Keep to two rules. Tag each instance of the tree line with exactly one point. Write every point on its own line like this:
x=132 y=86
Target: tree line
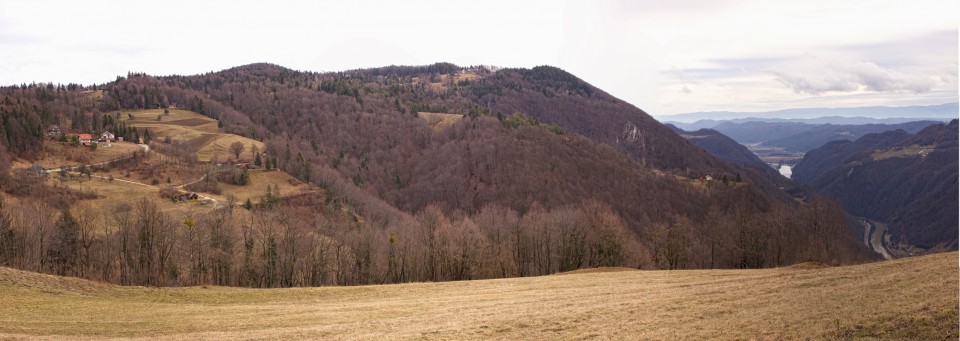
x=291 y=242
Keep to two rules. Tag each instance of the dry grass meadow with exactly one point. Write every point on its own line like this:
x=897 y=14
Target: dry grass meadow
x=59 y=154
x=439 y=121
x=915 y=298
x=203 y=134
x=285 y=183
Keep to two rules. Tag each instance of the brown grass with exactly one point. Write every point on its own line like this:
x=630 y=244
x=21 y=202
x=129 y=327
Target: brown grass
x=58 y=153
x=915 y=298
x=220 y=148
x=113 y=193
x=208 y=140
x=438 y=121
x=258 y=187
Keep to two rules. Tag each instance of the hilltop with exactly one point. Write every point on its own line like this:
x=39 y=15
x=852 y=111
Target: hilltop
x=914 y=298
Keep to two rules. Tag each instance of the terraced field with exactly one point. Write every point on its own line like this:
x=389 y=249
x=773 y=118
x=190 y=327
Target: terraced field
x=201 y=132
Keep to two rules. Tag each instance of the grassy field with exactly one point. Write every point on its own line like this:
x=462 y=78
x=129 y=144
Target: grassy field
x=915 y=298
x=202 y=132
x=438 y=121
x=61 y=154
x=288 y=186
x=123 y=190
x=909 y=151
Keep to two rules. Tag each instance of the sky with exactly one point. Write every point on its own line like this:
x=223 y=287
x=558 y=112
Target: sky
x=665 y=57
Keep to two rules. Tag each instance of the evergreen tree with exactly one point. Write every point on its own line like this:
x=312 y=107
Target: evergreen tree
x=65 y=249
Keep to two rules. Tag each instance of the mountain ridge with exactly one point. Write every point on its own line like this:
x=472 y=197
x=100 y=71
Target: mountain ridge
x=908 y=181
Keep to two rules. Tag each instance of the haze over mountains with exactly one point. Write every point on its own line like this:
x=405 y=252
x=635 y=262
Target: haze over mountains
x=855 y=115
x=802 y=137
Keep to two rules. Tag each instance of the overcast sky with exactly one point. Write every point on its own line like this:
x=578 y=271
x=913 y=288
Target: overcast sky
x=663 y=56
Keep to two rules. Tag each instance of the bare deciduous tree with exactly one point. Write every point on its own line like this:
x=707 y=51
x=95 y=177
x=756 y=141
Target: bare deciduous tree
x=236 y=148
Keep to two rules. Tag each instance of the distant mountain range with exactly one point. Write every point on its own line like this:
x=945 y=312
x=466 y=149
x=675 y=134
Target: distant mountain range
x=858 y=115
x=802 y=137
x=908 y=181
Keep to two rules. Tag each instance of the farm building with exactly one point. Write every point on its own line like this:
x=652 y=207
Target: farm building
x=37 y=170
x=107 y=137
x=85 y=139
x=53 y=132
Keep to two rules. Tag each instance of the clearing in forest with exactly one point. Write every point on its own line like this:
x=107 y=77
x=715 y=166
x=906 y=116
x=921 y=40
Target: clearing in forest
x=201 y=132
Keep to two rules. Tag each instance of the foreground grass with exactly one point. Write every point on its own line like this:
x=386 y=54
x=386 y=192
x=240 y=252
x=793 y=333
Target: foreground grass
x=914 y=298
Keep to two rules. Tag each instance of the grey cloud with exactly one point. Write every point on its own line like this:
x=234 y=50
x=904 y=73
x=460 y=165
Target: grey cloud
x=849 y=77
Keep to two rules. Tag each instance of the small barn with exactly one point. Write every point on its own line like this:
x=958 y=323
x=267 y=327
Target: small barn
x=181 y=197
x=53 y=132
x=107 y=136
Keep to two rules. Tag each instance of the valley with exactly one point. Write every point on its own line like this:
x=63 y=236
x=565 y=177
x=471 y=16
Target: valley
x=436 y=170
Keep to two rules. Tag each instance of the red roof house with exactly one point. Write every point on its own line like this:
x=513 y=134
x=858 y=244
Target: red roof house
x=85 y=139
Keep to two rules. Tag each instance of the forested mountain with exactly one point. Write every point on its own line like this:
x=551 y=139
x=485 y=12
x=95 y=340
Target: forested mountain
x=802 y=137
x=908 y=181
x=837 y=153
x=725 y=148
x=719 y=145
x=531 y=172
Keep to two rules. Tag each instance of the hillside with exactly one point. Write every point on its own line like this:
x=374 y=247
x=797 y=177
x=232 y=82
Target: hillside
x=425 y=173
x=836 y=153
x=719 y=145
x=908 y=181
x=914 y=298
x=747 y=163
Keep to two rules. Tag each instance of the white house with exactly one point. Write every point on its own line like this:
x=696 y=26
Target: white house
x=107 y=137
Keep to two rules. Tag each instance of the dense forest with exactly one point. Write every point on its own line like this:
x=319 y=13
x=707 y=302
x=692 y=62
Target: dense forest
x=542 y=173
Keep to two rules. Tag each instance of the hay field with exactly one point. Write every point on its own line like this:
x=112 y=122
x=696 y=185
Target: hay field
x=288 y=186
x=124 y=190
x=914 y=298
x=202 y=132
x=60 y=154
x=219 y=148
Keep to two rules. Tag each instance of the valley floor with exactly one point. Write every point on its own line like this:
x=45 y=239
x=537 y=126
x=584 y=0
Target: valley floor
x=899 y=299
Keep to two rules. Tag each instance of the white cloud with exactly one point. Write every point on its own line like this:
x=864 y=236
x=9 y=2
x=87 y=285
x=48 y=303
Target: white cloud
x=821 y=77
